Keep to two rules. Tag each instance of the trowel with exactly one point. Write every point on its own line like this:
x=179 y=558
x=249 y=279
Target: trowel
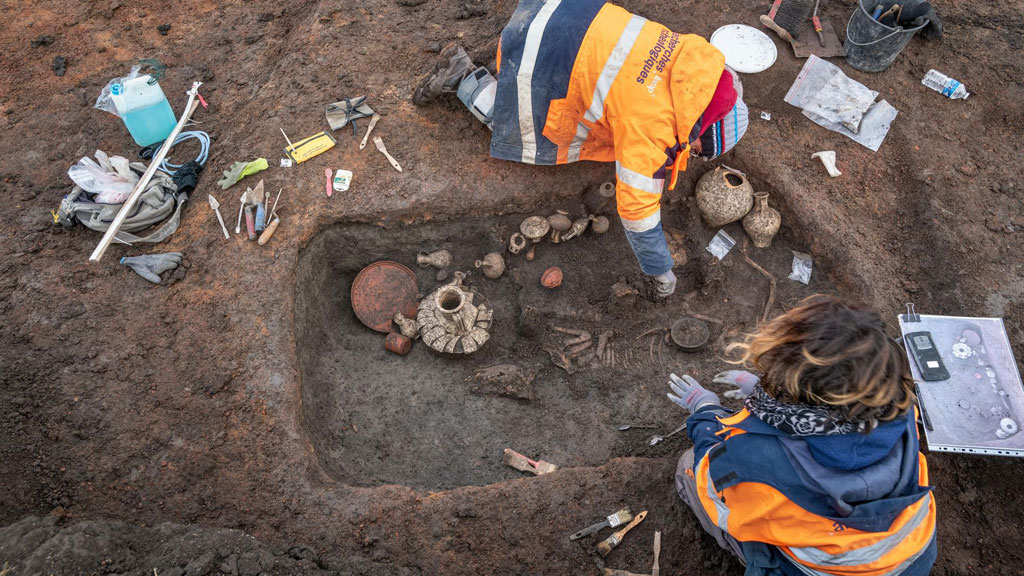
x=216 y=209
x=241 y=209
x=823 y=44
x=522 y=463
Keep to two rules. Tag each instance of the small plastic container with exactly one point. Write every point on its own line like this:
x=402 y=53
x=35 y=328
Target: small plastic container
x=144 y=109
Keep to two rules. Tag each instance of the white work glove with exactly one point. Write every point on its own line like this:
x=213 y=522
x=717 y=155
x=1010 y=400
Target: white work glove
x=744 y=382
x=689 y=395
x=666 y=284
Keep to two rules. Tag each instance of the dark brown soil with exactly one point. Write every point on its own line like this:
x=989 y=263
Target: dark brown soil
x=375 y=418
x=148 y=427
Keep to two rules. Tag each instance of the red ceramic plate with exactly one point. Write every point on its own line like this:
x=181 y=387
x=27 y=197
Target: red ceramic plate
x=380 y=290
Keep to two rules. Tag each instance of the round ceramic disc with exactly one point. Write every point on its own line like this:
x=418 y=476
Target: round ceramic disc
x=380 y=290
x=690 y=333
x=747 y=50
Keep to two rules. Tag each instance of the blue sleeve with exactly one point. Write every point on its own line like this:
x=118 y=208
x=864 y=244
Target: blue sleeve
x=651 y=250
x=702 y=426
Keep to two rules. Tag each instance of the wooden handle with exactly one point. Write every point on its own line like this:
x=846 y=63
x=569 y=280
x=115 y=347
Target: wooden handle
x=639 y=518
x=265 y=237
x=655 y=569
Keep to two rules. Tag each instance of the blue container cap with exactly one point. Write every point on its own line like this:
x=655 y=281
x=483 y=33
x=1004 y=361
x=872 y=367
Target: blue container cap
x=116 y=89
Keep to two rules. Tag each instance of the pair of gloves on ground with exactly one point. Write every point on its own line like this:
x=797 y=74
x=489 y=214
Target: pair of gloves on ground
x=689 y=395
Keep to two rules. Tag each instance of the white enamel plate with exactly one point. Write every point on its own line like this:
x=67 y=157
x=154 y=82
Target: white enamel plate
x=747 y=50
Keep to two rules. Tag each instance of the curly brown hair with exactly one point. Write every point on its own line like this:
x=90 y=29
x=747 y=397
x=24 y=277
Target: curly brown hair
x=829 y=352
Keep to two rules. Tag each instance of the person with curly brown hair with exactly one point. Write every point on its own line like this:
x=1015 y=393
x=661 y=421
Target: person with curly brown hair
x=820 y=472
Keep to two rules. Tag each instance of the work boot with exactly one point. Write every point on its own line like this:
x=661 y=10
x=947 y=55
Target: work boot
x=453 y=65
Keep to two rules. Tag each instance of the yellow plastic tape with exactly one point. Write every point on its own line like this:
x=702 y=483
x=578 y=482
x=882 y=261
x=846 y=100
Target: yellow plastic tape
x=305 y=149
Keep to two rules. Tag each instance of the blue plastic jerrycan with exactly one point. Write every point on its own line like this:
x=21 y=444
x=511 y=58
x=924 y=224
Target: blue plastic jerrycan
x=146 y=113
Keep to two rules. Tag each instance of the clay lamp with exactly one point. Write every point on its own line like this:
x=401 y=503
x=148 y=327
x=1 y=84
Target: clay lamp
x=534 y=228
x=559 y=222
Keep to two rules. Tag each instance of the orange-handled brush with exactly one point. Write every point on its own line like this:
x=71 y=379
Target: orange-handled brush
x=609 y=543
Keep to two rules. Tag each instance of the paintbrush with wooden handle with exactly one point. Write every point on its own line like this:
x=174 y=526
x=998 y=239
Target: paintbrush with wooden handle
x=609 y=543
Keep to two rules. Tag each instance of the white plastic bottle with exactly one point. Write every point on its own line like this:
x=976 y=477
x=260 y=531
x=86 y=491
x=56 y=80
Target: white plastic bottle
x=945 y=85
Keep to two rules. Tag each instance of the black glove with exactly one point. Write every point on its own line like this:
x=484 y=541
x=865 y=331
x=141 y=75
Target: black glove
x=918 y=12
x=187 y=177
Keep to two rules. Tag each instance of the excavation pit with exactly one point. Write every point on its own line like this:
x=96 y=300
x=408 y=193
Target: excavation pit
x=420 y=420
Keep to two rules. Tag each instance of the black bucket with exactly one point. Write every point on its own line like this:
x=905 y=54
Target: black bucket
x=870 y=45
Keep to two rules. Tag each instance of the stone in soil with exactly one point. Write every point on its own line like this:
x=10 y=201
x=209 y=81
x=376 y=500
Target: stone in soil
x=59 y=65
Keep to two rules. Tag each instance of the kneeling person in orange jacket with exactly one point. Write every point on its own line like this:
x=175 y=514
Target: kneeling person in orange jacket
x=586 y=80
x=820 y=472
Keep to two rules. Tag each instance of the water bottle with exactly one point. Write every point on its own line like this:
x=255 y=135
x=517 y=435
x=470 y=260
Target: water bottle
x=945 y=85
x=144 y=109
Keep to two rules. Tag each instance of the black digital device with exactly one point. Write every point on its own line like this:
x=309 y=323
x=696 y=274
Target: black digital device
x=923 y=349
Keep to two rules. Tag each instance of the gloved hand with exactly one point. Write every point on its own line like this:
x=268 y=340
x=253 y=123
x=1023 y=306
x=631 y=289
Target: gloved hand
x=666 y=284
x=240 y=170
x=741 y=379
x=688 y=394
x=150 y=266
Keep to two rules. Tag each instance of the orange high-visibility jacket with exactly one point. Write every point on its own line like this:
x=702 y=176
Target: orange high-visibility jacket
x=844 y=505
x=586 y=80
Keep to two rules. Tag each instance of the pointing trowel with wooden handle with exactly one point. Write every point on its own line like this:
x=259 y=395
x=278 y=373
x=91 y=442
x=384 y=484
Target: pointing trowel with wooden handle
x=516 y=460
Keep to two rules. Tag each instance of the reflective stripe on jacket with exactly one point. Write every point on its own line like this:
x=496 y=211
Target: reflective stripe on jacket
x=585 y=80
x=749 y=486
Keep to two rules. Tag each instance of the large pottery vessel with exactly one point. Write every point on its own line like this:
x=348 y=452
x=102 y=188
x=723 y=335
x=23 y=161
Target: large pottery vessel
x=723 y=196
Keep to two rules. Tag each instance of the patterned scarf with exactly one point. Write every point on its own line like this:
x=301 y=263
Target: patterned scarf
x=799 y=419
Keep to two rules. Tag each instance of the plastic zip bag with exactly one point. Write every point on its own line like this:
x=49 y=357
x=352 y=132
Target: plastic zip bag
x=111 y=178
x=720 y=245
x=802 y=265
x=822 y=90
x=105 y=101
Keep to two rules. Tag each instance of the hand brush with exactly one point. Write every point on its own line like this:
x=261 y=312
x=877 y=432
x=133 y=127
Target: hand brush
x=786 y=16
x=609 y=543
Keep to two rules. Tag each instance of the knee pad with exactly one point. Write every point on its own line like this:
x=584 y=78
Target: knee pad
x=477 y=92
